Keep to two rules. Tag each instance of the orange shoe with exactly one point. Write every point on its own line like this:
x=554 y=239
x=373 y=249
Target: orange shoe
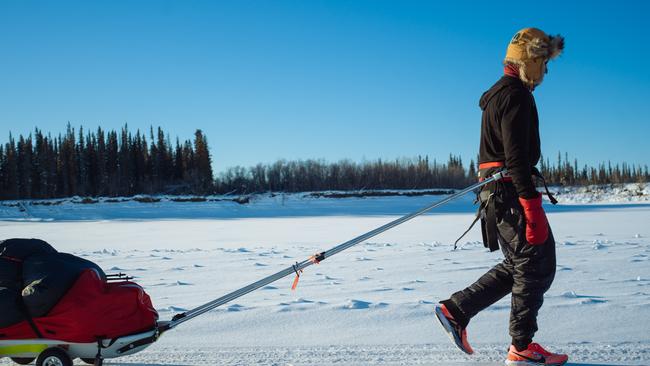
x=457 y=334
x=534 y=355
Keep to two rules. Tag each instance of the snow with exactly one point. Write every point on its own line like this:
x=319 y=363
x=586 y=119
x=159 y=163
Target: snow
x=370 y=305
x=621 y=193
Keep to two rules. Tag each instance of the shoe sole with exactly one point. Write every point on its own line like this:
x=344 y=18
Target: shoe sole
x=531 y=363
x=449 y=329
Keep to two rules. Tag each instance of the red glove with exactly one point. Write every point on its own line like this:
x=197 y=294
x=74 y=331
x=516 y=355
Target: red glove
x=536 y=223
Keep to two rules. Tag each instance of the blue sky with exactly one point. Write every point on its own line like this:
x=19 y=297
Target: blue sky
x=322 y=79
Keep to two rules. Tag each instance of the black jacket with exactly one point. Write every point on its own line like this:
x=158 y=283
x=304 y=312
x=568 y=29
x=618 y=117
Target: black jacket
x=510 y=131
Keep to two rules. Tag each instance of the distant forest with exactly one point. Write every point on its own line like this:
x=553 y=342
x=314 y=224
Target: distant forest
x=103 y=163
x=123 y=163
x=416 y=173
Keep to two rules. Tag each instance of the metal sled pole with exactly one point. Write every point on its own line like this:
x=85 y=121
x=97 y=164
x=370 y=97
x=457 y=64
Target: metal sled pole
x=296 y=268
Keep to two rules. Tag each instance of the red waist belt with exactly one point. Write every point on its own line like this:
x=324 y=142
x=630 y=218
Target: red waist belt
x=485 y=167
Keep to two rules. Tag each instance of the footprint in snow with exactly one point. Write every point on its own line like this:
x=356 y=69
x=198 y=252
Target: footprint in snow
x=407 y=289
x=198 y=266
x=592 y=301
x=586 y=299
x=269 y=287
x=173 y=309
x=363 y=259
x=360 y=305
x=356 y=305
x=106 y=251
x=181 y=283
x=235 y=307
x=116 y=269
x=598 y=245
x=238 y=250
x=382 y=289
x=301 y=300
x=257 y=264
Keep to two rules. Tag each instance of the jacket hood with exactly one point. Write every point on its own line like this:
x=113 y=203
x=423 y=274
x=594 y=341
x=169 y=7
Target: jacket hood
x=504 y=82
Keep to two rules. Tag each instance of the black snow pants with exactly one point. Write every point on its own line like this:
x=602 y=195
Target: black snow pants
x=526 y=272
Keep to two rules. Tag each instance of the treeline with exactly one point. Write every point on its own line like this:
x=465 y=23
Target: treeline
x=318 y=175
x=418 y=173
x=566 y=172
x=103 y=163
x=112 y=163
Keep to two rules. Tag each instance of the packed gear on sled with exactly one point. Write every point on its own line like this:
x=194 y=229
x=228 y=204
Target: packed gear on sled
x=47 y=294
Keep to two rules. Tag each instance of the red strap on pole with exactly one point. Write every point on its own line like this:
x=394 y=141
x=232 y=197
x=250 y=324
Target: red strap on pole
x=295 y=281
x=313 y=259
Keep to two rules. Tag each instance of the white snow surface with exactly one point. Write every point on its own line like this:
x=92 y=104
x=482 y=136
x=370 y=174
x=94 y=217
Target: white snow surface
x=619 y=193
x=370 y=305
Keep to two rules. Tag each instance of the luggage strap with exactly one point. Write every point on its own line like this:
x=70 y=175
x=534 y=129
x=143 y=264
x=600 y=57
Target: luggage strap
x=21 y=304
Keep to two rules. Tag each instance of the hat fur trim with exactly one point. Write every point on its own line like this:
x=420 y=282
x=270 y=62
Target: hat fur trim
x=556 y=46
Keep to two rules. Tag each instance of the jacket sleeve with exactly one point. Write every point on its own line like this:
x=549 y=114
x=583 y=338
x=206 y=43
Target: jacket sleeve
x=515 y=130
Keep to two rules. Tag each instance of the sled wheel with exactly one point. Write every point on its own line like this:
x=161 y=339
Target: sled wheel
x=53 y=357
x=90 y=361
x=22 y=360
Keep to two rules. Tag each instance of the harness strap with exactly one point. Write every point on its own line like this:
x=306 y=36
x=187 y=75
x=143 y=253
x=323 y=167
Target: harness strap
x=486 y=213
x=478 y=217
x=489 y=222
x=539 y=175
x=485 y=169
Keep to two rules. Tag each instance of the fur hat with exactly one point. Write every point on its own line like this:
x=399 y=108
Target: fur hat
x=530 y=49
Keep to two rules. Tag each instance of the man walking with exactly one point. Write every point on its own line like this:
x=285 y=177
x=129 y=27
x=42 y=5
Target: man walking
x=512 y=213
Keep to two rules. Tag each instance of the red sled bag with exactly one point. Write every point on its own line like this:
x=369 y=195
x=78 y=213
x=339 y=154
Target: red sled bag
x=92 y=309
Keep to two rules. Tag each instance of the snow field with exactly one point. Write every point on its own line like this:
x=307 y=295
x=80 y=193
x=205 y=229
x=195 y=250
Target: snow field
x=370 y=305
